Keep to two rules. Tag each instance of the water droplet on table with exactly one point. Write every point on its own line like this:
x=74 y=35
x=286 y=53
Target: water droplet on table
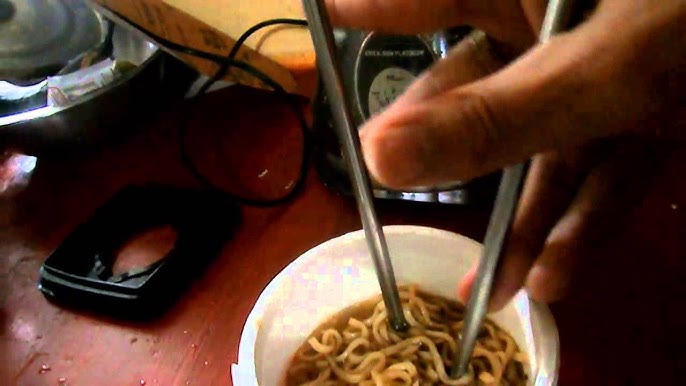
x=185 y=332
x=207 y=363
x=62 y=381
x=44 y=368
x=142 y=382
x=675 y=206
x=194 y=346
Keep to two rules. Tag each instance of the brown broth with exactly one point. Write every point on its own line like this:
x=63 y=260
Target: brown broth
x=360 y=311
x=338 y=321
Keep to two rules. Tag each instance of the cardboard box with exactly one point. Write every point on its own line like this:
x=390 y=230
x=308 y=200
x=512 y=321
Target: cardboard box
x=214 y=25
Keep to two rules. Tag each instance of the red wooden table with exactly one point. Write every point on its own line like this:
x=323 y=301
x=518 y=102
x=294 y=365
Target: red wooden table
x=622 y=324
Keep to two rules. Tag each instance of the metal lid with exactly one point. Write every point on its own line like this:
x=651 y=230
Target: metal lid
x=38 y=37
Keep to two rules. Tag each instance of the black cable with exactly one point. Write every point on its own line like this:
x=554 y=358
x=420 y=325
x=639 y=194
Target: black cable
x=239 y=43
x=204 y=180
x=225 y=64
x=170 y=44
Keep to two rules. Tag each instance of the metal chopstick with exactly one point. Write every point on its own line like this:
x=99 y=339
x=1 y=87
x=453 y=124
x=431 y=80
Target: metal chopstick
x=325 y=49
x=558 y=17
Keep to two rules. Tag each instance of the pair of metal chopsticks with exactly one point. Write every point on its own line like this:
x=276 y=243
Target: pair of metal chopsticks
x=557 y=18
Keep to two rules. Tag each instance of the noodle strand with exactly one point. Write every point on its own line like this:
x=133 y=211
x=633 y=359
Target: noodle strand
x=365 y=351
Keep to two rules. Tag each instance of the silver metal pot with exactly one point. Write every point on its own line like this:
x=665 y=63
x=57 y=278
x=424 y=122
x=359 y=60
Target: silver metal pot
x=114 y=108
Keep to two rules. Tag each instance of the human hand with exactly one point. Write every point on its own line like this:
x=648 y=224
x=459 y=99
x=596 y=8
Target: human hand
x=595 y=109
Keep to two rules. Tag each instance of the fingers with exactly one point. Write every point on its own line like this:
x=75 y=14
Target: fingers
x=503 y=20
x=399 y=16
x=469 y=60
x=549 y=189
x=598 y=211
x=550 y=234
x=551 y=185
x=552 y=98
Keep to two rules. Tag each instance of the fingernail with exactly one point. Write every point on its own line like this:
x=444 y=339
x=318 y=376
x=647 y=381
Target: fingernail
x=545 y=284
x=536 y=281
x=396 y=156
x=465 y=287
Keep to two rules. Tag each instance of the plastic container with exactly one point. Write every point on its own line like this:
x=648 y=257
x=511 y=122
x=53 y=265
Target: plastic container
x=339 y=273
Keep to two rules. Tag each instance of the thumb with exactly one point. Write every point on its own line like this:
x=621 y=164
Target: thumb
x=558 y=95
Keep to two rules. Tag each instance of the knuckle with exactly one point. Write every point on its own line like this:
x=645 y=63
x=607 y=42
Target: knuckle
x=429 y=83
x=482 y=129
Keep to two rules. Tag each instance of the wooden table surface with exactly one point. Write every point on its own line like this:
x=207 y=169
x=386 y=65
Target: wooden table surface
x=623 y=323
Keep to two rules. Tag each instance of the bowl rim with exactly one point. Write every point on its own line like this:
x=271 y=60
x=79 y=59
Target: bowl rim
x=243 y=372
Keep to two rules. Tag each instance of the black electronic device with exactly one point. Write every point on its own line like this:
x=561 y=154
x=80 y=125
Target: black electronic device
x=79 y=272
x=375 y=69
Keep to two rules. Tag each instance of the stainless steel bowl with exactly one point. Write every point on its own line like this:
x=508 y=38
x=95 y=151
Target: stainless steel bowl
x=112 y=109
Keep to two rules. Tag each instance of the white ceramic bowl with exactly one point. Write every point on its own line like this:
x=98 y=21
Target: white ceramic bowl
x=339 y=273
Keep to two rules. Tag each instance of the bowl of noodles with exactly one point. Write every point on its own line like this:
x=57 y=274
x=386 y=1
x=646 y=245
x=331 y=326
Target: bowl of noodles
x=321 y=321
